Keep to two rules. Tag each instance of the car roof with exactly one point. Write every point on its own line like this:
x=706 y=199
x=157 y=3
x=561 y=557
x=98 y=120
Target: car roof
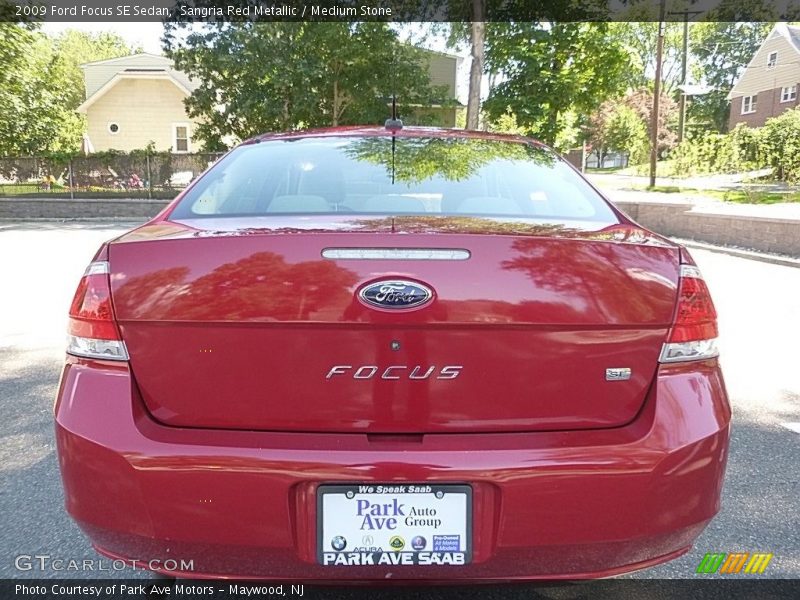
x=406 y=131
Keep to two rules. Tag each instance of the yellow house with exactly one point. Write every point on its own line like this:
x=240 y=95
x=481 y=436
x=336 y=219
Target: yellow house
x=134 y=100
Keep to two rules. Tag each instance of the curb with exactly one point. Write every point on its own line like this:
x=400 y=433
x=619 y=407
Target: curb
x=775 y=259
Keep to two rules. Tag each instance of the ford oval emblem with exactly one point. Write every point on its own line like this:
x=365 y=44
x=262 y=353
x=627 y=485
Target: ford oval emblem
x=395 y=294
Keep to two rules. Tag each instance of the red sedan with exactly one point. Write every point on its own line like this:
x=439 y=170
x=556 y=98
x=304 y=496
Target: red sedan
x=371 y=353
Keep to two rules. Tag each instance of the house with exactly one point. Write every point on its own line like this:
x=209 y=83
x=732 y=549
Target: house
x=442 y=70
x=134 y=100
x=770 y=82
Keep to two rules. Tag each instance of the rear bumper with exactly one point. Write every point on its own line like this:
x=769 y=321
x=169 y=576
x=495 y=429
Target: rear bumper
x=242 y=504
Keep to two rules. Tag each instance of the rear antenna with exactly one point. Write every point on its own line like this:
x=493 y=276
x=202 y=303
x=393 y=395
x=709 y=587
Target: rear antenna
x=394 y=123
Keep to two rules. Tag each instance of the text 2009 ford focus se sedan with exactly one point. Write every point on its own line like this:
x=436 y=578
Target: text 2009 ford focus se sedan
x=371 y=353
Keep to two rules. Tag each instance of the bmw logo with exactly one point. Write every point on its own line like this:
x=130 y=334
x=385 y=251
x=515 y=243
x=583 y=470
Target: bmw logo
x=338 y=543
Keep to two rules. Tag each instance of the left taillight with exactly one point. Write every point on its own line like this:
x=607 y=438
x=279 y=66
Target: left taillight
x=92 y=330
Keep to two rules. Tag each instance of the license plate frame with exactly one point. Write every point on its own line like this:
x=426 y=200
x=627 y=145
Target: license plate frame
x=417 y=557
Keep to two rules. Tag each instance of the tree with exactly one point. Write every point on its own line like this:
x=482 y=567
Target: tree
x=41 y=85
x=15 y=40
x=550 y=70
x=627 y=133
x=597 y=129
x=477 y=41
x=72 y=48
x=641 y=102
x=639 y=39
x=617 y=127
x=257 y=77
x=721 y=51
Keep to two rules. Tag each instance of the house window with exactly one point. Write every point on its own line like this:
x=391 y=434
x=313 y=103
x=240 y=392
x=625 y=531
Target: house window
x=749 y=104
x=113 y=128
x=789 y=94
x=772 y=59
x=180 y=137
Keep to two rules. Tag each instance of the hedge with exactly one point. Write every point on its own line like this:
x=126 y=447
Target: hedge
x=776 y=145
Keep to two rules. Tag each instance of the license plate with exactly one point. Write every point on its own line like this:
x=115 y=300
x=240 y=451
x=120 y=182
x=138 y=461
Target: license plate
x=394 y=524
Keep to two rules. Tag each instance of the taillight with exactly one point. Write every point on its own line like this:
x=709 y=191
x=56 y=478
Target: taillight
x=693 y=335
x=92 y=331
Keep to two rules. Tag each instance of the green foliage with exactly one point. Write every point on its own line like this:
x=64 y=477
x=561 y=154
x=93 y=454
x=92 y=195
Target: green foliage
x=627 y=133
x=623 y=125
x=712 y=153
x=507 y=123
x=779 y=146
x=417 y=159
x=638 y=36
x=549 y=70
x=259 y=77
x=775 y=146
x=41 y=85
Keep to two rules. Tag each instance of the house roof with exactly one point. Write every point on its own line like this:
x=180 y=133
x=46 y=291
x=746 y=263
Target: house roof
x=440 y=53
x=127 y=58
x=131 y=74
x=789 y=32
x=102 y=75
x=794 y=36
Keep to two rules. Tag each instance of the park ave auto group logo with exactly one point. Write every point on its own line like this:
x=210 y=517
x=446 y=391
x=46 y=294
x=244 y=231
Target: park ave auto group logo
x=382 y=539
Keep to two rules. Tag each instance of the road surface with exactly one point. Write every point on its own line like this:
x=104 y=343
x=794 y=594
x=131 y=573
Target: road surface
x=759 y=318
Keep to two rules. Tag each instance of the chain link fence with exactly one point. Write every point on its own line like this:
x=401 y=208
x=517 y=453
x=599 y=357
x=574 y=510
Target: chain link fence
x=114 y=176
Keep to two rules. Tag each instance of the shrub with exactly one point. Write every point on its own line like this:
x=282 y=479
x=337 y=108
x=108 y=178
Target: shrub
x=713 y=153
x=776 y=145
x=779 y=145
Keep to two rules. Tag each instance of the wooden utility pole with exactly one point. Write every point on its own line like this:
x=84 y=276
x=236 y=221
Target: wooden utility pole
x=684 y=62
x=657 y=93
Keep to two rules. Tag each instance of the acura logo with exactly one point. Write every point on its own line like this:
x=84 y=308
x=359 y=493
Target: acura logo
x=395 y=294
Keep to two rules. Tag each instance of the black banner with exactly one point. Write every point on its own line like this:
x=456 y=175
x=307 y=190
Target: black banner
x=396 y=10
x=633 y=589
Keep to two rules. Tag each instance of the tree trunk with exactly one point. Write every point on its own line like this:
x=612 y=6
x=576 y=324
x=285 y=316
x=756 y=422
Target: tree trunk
x=552 y=127
x=477 y=37
x=335 y=122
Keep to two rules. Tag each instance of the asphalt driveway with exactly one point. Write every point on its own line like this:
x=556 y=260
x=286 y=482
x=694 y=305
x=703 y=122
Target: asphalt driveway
x=759 y=316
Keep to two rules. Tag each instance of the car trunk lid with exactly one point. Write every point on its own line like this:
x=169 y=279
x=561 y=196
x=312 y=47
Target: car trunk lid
x=246 y=325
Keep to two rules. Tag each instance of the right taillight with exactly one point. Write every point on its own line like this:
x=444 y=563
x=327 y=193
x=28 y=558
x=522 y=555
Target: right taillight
x=92 y=331
x=693 y=335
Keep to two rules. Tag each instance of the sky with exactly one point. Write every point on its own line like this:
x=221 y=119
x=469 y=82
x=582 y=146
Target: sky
x=148 y=36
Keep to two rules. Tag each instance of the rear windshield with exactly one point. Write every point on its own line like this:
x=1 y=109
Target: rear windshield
x=407 y=175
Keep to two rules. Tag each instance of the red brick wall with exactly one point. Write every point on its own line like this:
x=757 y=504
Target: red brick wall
x=769 y=105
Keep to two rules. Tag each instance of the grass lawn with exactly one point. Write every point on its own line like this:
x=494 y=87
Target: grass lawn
x=604 y=169
x=666 y=168
x=17 y=189
x=740 y=196
x=746 y=196
x=32 y=190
